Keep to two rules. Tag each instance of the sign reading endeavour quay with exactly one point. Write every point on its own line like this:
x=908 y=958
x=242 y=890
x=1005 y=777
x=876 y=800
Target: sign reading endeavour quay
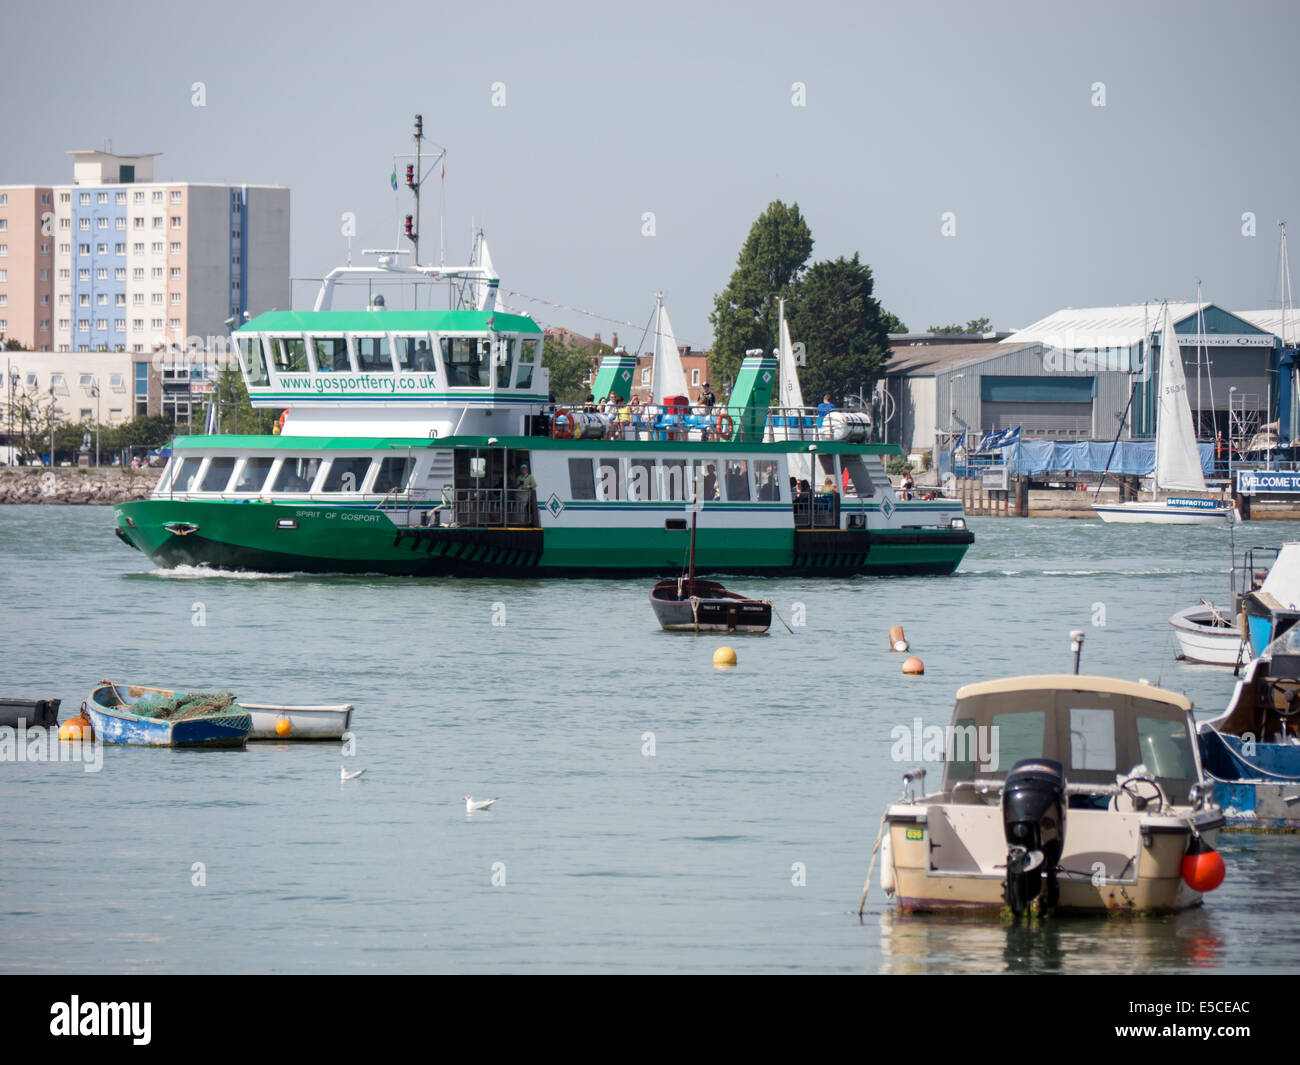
x=1228 y=340
x=1252 y=482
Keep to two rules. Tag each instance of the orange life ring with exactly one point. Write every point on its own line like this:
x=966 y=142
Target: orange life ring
x=725 y=426
x=279 y=423
x=567 y=432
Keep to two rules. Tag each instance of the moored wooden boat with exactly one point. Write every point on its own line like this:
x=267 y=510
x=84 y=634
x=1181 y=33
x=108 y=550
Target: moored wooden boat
x=34 y=712
x=1208 y=637
x=682 y=605
x=121 y=717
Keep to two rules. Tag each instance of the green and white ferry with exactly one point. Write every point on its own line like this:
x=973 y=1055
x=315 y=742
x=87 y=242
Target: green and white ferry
x=422 y=443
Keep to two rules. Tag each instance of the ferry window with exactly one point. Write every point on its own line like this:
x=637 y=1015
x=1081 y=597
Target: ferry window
x=414 y=354
x=331 y=354
x=253 y=475
x=641 y=480
x=468 y=361
x=373 y=355
x=1164 y=747
x=706 y=481
x=218 y=475
x=346 y=475
x=290 y=354
x=506 y=350
x=674 y=484
x=254 y=361
x=737 y=480
x=527 y=363
x=581 y=484
x=1020 y=735
x=392 y=475
x=1092 y=738
x=296 y=475
x=767 y=480
x=187 y=475
x=607 y=479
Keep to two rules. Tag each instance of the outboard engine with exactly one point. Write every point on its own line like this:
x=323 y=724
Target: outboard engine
x=1033 y=819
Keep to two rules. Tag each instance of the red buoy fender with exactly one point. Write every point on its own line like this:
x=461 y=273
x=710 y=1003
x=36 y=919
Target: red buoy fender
x=1203 y=867
x=565 y=433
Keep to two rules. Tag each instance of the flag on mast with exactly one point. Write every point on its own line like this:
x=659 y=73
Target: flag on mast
x=393 y=178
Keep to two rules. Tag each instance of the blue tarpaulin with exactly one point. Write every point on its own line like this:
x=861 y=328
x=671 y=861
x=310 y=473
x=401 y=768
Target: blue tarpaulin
x=1089 y=456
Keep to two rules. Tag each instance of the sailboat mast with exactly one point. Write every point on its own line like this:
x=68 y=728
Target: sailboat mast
x=695 y=513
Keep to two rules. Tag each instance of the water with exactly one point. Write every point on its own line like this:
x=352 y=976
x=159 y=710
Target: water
x=612 y=860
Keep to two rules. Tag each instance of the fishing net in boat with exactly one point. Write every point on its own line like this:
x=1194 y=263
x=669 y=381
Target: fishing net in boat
x=184 y=707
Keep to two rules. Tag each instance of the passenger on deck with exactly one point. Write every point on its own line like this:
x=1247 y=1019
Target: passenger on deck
x=710 y=482
x=824 y=408
x=802 y=492
x=708 y=398
x=589 y=406
x=905 y=486
x=423 y=357
x=828 y=486
x=524 y=479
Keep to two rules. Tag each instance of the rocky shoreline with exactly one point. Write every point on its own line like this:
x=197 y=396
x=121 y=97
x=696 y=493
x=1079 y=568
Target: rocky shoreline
x=67 y=484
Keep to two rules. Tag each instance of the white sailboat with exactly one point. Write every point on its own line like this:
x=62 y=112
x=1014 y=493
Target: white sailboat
x=791 y=395
x=667 y=378
x=1178 y=461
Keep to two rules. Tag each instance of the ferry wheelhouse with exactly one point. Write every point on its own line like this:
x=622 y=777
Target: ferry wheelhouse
x=422 y=443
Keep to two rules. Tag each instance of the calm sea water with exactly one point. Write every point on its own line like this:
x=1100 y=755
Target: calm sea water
x=605 y=858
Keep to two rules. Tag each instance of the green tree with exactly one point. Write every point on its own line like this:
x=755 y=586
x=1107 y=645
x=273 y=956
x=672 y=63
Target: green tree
x=770 y=263
x=570 y=366
x=975 y=325
x=891 y=323
x=842 y=327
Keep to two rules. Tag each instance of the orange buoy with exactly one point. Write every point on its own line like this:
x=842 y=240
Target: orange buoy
x=897 y=641
x=913 y=667
x=1203 y=867
x=724 y=658
x=282 y=727
x=76 y=728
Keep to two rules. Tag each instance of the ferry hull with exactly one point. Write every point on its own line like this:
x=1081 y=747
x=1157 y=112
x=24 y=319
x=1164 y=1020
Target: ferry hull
x=291 y=538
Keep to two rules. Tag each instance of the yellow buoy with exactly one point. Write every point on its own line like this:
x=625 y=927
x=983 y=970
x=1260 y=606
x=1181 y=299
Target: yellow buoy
x=76 y=728
x=897 y=641
x=724 y=658
x=282 y=727
x=913 y=667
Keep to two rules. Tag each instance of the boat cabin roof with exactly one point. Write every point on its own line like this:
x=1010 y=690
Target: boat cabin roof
x=1098 y=728
x=321 y=322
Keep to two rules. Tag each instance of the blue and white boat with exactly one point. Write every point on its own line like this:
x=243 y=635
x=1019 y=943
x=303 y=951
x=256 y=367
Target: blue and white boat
x=1252 y=750
x=144 y=721
x=1274 y=607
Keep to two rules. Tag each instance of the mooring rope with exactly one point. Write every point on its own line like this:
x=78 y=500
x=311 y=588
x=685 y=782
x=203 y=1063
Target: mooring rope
x=875 y=851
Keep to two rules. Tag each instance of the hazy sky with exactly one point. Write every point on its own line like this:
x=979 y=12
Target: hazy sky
x=685 y=110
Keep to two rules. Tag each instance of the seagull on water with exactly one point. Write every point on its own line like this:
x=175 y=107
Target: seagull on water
x=345 y=775
x=471 y=805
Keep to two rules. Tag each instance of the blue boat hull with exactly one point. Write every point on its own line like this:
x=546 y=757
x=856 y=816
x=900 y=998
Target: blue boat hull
x=119 y=726
x=1258 y=787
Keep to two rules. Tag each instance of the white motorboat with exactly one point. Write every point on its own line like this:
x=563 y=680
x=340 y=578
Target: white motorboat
x=1060 y=792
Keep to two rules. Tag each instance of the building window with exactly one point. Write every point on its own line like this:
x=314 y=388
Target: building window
x=101 y=298
x=65 y=323
x=83 y=274
x=65 y=223
x=45 y=275
x=137 y=298
x=4 y=275
x=137 y=325
x=119 y=274
x=101 y=249
x=176 y=299
x=45 y=325
x=137 y=273
x=4 y=225
x=156 y=247
x=101 y=273
x=120 y=197
x=157 y=195
x=155 y=323
x=155 y=298
x=4 y=250
x=101 y=324
x=119 y=299
x=4 y=199
x=119 y=223
x=45 y=249
x=83 y=325
x=84 y=199
x=175 y=323
x=83 y=299
x=64 y=299
x=138 y=197
x=45 y=199
x=83 y=223
x=119 y=325
x=119 y=249
x=137 y=249
x=176 y=195
x=176 y=247
x=157 y=222
x=4 y=300
x=138 y=222
x=176 y=273
x=45 y=300
x=65 y=249
x=176 y=221
x=64 y=273
x=65 y=197
x=156 y=272
x=101 y=223
x=101 y=197
x=83 y=249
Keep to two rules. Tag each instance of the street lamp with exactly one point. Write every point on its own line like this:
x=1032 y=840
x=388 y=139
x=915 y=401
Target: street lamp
x=53 y=412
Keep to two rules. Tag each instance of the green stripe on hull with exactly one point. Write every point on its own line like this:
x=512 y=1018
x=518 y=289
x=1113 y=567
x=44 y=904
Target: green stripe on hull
x=292 y=538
